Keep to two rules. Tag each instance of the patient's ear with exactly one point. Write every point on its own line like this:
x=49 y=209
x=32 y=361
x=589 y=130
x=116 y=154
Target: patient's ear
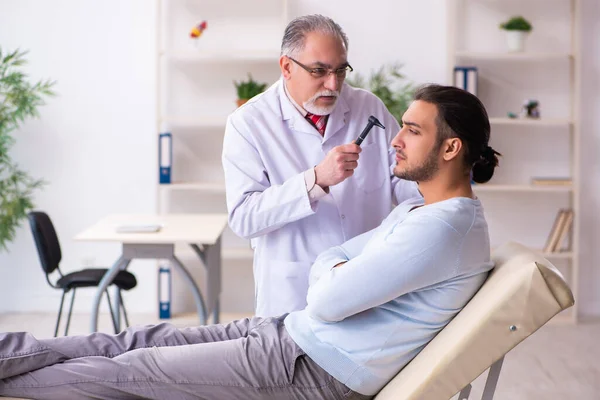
x=451 y=148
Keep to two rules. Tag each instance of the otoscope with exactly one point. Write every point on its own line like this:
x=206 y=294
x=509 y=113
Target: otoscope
x=365 y=132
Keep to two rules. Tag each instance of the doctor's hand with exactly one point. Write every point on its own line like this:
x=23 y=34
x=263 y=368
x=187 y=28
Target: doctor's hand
x=337 y=165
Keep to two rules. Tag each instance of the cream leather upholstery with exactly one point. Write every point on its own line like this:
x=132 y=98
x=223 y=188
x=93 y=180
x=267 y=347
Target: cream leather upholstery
x=522 y=293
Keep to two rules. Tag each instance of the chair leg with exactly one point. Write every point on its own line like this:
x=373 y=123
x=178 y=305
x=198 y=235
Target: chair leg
x=124 y=310
x=465 y=393
x=62 y=300
x=492 y=380
x=112 y=316
x=70 y=312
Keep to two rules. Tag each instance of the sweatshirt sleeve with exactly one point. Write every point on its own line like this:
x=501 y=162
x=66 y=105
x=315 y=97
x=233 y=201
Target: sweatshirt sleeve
x=335 y=255
x=419 y=252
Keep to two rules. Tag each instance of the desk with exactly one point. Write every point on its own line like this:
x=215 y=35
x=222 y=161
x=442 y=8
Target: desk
x=201 y=231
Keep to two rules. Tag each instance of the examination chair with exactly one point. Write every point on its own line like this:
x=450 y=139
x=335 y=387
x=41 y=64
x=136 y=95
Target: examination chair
x=521 y=294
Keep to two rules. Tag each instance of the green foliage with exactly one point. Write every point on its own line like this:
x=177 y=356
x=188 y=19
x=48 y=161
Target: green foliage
x=387 y=84
x=517 y=23
x=250 y=88
x=19 y=100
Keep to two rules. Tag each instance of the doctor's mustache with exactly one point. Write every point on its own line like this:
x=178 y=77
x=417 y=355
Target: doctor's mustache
x=332 y=93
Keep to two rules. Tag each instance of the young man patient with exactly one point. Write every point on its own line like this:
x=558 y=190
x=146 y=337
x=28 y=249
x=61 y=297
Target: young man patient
x=373 y=302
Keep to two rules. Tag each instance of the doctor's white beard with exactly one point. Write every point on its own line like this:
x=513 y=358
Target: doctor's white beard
x=310 y=106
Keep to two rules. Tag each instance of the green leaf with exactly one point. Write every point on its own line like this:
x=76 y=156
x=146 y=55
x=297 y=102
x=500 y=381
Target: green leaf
x=517 y=23
x=248 y=89
x=19 y=101
x=390 y=85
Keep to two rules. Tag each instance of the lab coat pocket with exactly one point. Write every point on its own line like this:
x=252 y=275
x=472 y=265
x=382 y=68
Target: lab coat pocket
x=371 y=171
x=289 y=284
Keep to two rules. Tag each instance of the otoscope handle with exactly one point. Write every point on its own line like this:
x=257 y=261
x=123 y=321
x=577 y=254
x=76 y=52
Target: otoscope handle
x=363 y=134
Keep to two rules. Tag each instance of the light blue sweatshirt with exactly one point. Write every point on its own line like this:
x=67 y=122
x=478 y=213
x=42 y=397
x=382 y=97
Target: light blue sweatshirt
x=401 y=284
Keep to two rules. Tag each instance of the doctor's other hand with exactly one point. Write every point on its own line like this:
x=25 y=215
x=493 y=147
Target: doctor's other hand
x=337 y=165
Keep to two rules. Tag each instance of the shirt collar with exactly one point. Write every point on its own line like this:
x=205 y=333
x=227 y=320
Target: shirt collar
x=300 y=109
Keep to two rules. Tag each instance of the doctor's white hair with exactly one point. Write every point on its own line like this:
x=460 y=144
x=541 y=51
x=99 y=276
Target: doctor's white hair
x=295 y=33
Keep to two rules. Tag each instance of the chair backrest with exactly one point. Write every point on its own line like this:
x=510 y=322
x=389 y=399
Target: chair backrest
x=522 y=293
x=46 y=240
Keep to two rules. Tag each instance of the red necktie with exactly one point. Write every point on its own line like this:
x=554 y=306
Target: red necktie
x=319 y=121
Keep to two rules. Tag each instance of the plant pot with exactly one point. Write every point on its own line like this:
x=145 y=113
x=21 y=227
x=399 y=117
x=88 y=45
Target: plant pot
x=241 y=102
x=515 y=40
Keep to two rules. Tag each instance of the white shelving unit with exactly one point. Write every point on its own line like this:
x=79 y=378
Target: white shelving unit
x=548 y=70
x=196 y=93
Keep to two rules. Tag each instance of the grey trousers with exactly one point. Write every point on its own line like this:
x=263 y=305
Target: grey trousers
x=246 y=359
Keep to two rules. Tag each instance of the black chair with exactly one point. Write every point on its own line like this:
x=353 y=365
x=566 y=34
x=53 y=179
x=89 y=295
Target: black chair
x=50 y=255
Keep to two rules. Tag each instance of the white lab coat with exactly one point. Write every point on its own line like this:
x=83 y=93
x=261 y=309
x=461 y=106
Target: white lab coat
x=267 y=148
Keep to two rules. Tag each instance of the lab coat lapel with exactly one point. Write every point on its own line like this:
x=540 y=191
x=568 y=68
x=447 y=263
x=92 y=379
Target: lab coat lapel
x=337 y=119
x=296 y=122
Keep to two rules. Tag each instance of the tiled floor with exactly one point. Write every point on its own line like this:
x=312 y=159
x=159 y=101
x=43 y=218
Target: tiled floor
x=559 y=362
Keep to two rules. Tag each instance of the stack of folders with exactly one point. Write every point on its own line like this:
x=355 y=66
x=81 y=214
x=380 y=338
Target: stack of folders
x=465 y=77
x=560 y=229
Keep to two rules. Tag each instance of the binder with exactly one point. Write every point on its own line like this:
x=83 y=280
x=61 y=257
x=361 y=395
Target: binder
x=466 y=78
x=554 y=233
x=164 y=292
x=165 y=157
x=565 y=228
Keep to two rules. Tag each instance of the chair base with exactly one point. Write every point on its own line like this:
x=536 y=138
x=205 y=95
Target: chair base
x=490 y=383
x=113 y=314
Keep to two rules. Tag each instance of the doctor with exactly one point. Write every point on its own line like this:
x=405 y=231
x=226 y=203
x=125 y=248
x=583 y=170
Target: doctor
x=296 y=184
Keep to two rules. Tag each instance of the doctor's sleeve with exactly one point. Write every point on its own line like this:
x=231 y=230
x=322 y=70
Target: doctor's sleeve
x=256 y=207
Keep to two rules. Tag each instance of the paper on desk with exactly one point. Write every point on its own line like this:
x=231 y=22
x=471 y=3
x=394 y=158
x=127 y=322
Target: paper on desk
x=139 y=228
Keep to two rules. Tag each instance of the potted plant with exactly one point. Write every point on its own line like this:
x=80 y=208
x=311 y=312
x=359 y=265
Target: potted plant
x=19 y=100
x=517 y=28
x=388 y=83
x=248 y=89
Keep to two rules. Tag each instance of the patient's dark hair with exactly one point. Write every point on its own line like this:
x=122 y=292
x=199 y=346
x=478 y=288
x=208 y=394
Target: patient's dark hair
x=462 y=115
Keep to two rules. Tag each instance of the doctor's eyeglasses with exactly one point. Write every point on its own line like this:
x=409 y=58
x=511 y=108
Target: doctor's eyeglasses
x=323 y=72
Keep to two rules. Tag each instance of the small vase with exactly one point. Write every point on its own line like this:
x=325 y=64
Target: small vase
x=241 y=102
x=515 y=40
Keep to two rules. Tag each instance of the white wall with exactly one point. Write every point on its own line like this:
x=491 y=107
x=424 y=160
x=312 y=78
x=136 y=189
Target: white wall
x=96 y=143
x=385 y=31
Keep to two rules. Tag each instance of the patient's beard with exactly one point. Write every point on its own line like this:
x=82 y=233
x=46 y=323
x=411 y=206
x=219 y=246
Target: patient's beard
x=421 y=173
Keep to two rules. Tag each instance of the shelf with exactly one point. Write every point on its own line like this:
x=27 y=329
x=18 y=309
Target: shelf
x=531 y=122
x=559 y=255
x=220 y=57
x=210 y=187
x=195 y=122
x=524 y=56
x=216 y=187
x=482 y=188
x=239 y=253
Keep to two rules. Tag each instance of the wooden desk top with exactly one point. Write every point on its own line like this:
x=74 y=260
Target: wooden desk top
x=175 y=228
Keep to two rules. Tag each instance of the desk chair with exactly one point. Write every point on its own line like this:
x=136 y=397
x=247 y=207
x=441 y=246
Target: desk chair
x=521 y=294
x=48 y=249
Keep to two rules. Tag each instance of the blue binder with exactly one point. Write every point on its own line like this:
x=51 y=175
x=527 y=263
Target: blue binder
x=165 y=157
x=164 y=292
x=466 y=78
